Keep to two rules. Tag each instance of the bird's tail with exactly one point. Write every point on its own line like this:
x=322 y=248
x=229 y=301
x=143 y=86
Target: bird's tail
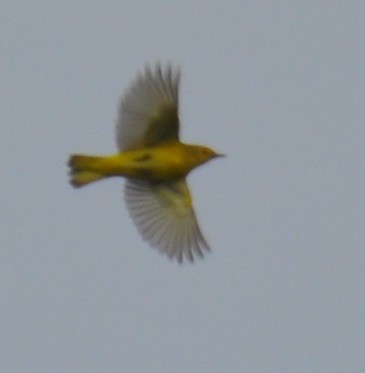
x=82 y=170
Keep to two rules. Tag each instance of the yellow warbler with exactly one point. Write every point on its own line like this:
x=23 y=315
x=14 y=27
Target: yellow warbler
x=155 y=164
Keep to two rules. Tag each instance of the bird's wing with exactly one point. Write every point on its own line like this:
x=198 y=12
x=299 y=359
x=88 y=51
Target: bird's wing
x=165 y=218
x=148 y=112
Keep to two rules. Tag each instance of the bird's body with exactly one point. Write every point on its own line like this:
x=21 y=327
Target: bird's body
x=155 y=164
x=169 y=161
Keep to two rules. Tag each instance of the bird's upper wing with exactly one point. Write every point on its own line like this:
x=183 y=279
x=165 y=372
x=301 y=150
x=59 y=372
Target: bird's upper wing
x=148 y=112
x=165 y=218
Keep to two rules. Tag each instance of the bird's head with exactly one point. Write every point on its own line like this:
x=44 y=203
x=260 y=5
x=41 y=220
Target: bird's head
x=203 y=154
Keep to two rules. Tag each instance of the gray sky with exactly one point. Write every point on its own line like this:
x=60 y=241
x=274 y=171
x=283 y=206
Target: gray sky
x=279 y=87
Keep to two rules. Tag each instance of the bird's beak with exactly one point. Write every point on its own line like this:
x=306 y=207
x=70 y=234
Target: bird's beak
x=220 y=155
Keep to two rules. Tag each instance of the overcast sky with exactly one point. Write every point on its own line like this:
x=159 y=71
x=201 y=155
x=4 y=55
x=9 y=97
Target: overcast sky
x=277 y=86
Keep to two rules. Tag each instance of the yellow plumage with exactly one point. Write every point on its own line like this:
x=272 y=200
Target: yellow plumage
x=155 y=164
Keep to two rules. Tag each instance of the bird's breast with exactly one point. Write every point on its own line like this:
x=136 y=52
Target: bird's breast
x=159 y=163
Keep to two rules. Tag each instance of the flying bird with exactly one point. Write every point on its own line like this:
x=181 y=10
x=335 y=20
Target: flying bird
x=154 y=163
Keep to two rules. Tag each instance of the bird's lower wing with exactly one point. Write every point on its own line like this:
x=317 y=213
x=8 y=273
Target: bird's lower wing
x=164 y=216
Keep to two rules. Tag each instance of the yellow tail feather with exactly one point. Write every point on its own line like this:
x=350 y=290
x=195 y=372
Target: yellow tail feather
x=83 y=178
x=79 y=162
x=82 y=170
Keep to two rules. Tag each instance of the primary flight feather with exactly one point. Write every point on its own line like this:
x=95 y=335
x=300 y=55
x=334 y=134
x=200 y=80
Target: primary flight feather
x=155 y=164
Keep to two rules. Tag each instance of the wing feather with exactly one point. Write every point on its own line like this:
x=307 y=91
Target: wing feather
x=148 y=111
x=165 y=218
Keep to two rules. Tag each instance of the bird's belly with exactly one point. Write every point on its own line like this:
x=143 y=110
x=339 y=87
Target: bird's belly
x=154 y=164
